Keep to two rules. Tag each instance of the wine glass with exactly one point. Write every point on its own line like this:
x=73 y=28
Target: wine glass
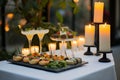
x=29 y=34
x=41 y=34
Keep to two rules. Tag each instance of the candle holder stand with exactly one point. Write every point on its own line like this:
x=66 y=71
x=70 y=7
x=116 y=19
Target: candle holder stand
x=88 y=52
x=97 y=38
x=104 y=58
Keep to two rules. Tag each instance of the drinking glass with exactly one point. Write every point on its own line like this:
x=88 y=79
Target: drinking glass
x=29 y=34
x=41 y=34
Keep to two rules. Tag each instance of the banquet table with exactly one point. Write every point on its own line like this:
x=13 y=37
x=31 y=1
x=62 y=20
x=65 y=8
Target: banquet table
x=94 y=70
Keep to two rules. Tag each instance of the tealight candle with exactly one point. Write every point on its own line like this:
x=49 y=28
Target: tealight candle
x=89 y=34
x=98 y=12
x=25 y=51
x=34 y=49
x=104 y=37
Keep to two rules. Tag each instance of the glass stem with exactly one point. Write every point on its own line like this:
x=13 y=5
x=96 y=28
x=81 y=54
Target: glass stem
x=40 y=46
x=30 y=45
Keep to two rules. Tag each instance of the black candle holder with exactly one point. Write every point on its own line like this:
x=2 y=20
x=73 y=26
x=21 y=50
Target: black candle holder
x=88 y=52
x=97 y=38
x=104 y=58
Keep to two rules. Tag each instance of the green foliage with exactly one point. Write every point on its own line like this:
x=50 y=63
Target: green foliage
x=59 y=17
x=76 y=9
x=62 y=4
x=4 y=55
x=57 y=64
x=31 y=10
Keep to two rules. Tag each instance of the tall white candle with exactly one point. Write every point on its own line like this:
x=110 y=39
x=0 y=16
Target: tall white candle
x=98 y=12
x=104 y=37
x=89 y=34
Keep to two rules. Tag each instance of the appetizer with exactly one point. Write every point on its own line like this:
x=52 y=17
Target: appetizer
x=26 y=59
x=44 y=62
x=34 y=61
x=17 y=58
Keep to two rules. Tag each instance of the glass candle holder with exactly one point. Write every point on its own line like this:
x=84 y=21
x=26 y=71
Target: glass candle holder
x=52 y=48
x=25 y=51
x=34 y=49
x=74 y=45
x=81 y=42
x=63 y=47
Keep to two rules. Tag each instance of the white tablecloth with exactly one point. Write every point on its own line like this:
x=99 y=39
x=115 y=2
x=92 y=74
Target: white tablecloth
x=94 y=70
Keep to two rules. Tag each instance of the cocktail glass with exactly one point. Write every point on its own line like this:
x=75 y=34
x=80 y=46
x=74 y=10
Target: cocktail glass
x=29 y=34
x=41 y=34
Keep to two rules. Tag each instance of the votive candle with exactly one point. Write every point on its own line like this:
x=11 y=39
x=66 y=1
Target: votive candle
x=34 y=49
x=25 y=51
x=52 y=46
x=80 y=41
x=74 y=44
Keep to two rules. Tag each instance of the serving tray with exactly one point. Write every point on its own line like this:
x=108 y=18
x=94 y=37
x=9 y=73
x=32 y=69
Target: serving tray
x=48 y=69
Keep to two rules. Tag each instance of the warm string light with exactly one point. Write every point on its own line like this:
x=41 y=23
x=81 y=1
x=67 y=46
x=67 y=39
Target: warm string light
x=22 y=22
x=76 y=1
x=7 y=28
x=10 y=15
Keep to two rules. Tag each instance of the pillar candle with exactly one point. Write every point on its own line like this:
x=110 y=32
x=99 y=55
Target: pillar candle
x=104 y=37
x=34 y=49
x=98 y=12
x=25 y=51
x=89 y=34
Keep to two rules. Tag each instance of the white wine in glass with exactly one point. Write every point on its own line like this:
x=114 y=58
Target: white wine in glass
x=41 y=34
x=29 y=34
